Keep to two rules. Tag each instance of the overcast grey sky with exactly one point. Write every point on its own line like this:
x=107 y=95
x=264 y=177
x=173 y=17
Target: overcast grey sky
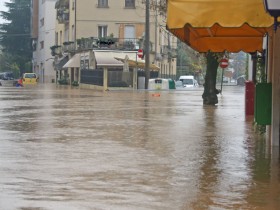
x=2 y=8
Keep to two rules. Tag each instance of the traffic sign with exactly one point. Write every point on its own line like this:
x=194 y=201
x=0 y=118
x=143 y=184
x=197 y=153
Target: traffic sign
x=224 y=63
x=140 y=53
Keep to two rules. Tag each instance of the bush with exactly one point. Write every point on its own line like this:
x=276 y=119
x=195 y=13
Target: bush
x=75 y=83
x=62 y=82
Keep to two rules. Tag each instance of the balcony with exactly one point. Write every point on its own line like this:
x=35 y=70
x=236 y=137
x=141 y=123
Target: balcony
x=107 y=43
x=62 y=16
x=62 y=4
x=167 y=51
x=104 y=43
x=68 y=47
x=62 y=11
x=56 y=50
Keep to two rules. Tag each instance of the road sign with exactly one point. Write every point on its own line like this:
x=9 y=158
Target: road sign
x=224 y=63
x=140 y=53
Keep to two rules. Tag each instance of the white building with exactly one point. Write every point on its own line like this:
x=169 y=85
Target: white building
x=43 y=34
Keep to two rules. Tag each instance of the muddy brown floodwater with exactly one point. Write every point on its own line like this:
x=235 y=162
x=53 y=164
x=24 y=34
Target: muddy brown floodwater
x=67 y=148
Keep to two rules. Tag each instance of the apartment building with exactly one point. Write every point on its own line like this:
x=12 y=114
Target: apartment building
x=43 y=37
x=83 y=24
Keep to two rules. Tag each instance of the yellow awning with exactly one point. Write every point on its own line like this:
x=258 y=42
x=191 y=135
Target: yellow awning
x=219 y=25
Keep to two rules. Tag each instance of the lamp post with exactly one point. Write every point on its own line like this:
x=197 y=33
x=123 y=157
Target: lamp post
x=273 y=8
x=147 y=45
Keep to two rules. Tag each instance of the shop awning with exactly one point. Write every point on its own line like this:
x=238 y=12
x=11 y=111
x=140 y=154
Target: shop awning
x=137 y=63
x=74 y=62
x=59 y=63
x=105 y=58
x=219 y=25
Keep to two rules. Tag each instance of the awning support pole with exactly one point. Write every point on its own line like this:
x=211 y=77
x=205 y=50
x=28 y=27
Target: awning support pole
x=275 y=137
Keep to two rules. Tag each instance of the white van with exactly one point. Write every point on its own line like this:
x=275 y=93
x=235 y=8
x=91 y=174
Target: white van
x=188 y=81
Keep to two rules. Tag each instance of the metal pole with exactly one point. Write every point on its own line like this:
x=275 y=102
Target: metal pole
x=156 y=32
x=222 y=81
x=147 y=45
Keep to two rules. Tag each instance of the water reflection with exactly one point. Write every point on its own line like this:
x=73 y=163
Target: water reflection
x=68 y=148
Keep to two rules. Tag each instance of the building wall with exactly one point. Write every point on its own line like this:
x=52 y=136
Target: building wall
x=42 y=59
x=35 y=12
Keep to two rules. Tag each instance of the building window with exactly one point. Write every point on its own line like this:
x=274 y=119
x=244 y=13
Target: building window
x=73 y=33
x=102 y=31
x=56 y=38
x=102 y=3
x=42 y=44
x=42 y=22
x=66 y=33
x=60 y=37
x=129 y=3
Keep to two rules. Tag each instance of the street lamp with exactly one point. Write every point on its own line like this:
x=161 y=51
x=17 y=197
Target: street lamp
x=273 y=8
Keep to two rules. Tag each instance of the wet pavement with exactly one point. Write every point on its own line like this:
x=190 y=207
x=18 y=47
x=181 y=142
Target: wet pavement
x=67 y=148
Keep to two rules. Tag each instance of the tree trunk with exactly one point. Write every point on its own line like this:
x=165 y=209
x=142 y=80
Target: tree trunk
x=210 y=92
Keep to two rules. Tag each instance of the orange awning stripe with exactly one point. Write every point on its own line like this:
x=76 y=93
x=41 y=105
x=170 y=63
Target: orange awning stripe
x=219 y=25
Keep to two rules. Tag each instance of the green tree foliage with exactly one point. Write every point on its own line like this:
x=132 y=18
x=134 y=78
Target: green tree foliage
x=189 y=62
x=239 y=64
x=15 y=37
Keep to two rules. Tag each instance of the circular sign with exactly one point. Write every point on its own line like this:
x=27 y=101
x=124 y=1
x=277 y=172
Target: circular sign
x=224 y=63
x=140 y=53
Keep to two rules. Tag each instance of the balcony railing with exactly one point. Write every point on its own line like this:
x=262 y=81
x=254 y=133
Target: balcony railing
x=109 y=43
x=62 y=11
x=56 y=50
x=93 y=43
x=168 y=51
x=68 y=47
x=62 y=16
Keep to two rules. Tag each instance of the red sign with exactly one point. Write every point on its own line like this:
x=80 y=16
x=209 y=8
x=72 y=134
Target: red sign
x=224 y=63
x=140 y=53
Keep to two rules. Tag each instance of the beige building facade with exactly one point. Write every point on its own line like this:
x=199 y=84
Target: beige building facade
x=123 y=20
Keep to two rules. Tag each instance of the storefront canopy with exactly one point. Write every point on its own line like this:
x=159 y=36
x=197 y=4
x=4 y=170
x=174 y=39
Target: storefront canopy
x=59 y=63
x=106 y=58
x=137 y=63
x=74 y=62
x=219 y=25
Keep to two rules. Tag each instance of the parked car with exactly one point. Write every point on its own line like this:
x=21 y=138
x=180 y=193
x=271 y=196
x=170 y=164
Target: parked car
x=6 y=76
x=7 y=79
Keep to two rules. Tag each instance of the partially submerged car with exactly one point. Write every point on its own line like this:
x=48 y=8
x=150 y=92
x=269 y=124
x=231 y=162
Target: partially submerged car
x=188 y=81
x=30 y=79
x=7 y=79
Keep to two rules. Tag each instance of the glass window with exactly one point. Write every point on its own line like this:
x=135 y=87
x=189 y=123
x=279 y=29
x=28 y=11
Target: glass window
x=187 y=81
x=42 y=44
x=102 y=31
x=102 y=3
x=42 y=22
x=130 y=3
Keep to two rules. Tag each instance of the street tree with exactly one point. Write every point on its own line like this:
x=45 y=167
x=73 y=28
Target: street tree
x=212 y=63
x=15 y=35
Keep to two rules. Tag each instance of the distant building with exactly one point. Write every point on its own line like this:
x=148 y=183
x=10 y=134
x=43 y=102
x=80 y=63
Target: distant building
x=109 y=25
x=70 y=27
x=43 y=37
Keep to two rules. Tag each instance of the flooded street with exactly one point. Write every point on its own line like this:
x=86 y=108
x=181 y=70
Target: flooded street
x=77 y=149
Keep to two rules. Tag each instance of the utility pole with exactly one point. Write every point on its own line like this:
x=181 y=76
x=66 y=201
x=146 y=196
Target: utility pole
x=147 y=45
